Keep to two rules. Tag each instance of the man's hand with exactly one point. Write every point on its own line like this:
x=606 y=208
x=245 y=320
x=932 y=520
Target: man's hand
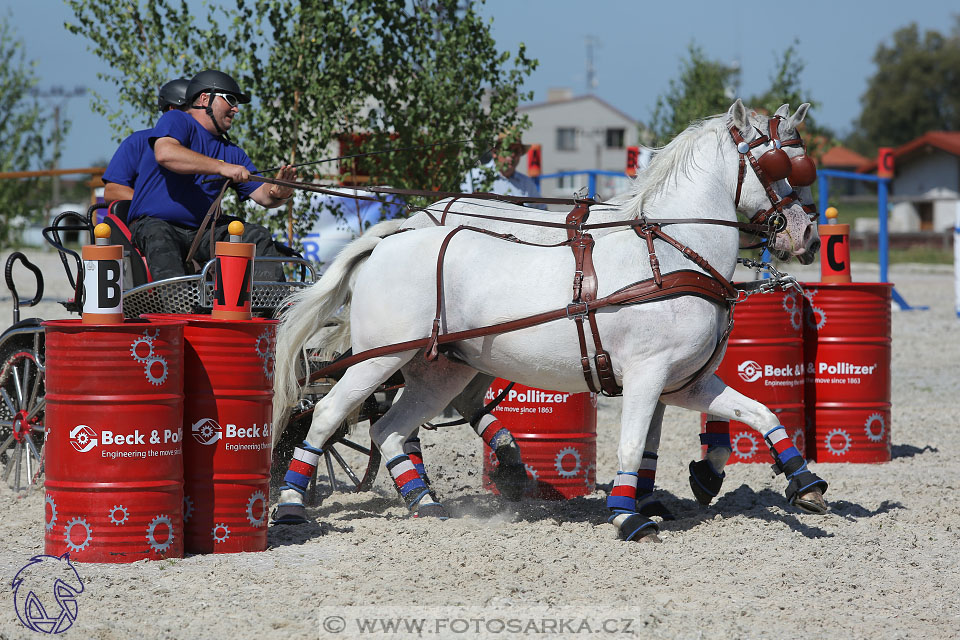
x=235 y=172
x=279 y=192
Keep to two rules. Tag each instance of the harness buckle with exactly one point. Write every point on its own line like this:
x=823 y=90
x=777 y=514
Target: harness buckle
x=573 y=314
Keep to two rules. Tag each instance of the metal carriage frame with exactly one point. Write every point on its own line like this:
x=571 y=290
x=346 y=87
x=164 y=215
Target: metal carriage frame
x=22 y=362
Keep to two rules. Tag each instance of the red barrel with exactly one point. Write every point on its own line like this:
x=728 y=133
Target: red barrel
x=114 y=463
x=764 y=361
x=557 y=435
x=228 y=423
x=847 y=355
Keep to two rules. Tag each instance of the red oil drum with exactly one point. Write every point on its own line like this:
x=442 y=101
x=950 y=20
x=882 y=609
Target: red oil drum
x=847 y=356
x=557 y=435
x=114 y=463
x=228 y=423
x=764 y=361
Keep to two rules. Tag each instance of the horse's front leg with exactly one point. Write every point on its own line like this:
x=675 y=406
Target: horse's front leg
x=640 y=405
x=804 y=488
x=647 y=504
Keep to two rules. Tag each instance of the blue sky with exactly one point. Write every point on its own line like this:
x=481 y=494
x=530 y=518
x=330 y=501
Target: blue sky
x=641 y=44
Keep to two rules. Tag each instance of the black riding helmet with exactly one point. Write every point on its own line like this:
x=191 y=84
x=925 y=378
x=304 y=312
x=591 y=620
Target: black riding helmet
x=173 y=94
x=215 y=81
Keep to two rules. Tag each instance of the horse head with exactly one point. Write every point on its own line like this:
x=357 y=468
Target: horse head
x=766 y=161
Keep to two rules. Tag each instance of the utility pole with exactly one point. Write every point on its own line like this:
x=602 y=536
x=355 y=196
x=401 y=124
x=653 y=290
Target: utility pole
x=61 y=95
x=592 y=83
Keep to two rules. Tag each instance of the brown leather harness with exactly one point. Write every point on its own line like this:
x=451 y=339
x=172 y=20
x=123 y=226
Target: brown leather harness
x=773 y=165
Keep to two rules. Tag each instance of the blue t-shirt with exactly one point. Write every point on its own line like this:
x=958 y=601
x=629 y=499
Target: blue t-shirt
x=184 y=199
x=123 y=165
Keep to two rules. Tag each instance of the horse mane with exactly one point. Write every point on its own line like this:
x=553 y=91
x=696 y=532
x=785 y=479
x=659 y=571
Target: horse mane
x=671 y=161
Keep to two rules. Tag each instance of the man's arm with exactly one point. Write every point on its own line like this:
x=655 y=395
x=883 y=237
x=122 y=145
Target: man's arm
x=273 y=195
x=173 y=156
x=113 y=191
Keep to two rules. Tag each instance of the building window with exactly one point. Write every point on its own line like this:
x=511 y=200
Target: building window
x=566 y=139
x=567 y=182
x=615 y=138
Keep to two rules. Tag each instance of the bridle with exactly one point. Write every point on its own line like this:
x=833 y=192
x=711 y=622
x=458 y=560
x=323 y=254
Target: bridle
x=772 y=166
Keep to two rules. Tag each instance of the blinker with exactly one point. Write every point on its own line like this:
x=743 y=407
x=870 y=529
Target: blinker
x=776 y=164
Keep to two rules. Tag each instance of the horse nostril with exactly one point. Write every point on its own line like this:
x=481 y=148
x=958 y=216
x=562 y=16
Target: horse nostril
x=814 y=247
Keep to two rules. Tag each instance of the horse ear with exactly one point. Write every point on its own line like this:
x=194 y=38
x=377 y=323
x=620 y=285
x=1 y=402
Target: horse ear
x=794 y=121
x=738 y=114
x=783 y=111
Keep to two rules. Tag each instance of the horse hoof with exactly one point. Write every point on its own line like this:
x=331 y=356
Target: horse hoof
x=432 y=510
x=288 y=513
x=510 y=480
x=704 y=481
x=811 y=502
x=656 y=508
x=650 y=537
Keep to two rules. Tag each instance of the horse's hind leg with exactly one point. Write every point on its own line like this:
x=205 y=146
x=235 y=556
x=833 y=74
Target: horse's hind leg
x=428 y=388
x=357 y=384
x=706 y=476
x=510 y=476
x=804 y=488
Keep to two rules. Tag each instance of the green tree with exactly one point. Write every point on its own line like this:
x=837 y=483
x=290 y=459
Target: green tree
x=22 y=129
x=786 y=87
x=374 y=73
x=704 y=87
x=916 y=88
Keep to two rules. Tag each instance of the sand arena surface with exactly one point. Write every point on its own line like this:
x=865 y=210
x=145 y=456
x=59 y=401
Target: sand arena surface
x=884 y=563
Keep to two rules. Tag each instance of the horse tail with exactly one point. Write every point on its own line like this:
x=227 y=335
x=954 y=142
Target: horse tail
x=309 y=310
x=337 y=339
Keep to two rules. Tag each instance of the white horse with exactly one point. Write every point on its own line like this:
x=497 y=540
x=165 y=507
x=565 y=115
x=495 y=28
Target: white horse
x=662 y=350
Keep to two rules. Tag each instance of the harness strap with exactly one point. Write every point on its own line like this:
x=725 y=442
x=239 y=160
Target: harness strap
x=431 y=350
x=443 y=218
x=675 y=284
x=214 y=212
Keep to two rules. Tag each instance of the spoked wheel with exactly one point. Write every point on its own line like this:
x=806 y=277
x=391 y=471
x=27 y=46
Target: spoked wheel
x=22 y=401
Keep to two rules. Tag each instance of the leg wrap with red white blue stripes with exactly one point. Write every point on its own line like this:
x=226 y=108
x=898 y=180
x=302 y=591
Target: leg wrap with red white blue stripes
x=792 y=464
x=411 y=486
x=705 y=480
x=302 y=467
x=412 y=448
x=646 y=479
x=510 y=476
x=622 y=501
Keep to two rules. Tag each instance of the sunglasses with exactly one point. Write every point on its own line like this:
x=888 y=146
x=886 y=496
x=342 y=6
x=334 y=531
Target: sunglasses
x=230 y=99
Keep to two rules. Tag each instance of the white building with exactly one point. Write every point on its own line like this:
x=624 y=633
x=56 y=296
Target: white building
x=925 y=190
x=580 y=133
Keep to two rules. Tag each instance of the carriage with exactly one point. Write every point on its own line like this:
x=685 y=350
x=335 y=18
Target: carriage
x=349 y=464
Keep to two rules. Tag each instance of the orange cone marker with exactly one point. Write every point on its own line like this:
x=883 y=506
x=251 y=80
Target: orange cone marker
x=233 y=289
x=102 y=279
x=835 y=255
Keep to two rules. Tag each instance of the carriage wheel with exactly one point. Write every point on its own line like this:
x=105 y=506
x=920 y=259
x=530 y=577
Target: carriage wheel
x=350 y=460
x=22 y=403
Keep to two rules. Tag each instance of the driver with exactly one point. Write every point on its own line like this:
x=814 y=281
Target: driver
x=121 y=173
x=171 y=198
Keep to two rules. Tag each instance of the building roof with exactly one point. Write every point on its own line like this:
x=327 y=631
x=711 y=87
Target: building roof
x=589 y=96
x=839 y=157
x=948 y=141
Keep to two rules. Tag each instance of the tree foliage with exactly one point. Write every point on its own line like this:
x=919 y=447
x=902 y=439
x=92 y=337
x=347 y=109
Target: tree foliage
x=22 y=130
x=916 y=88
x=373 y=73
x=704 y=87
